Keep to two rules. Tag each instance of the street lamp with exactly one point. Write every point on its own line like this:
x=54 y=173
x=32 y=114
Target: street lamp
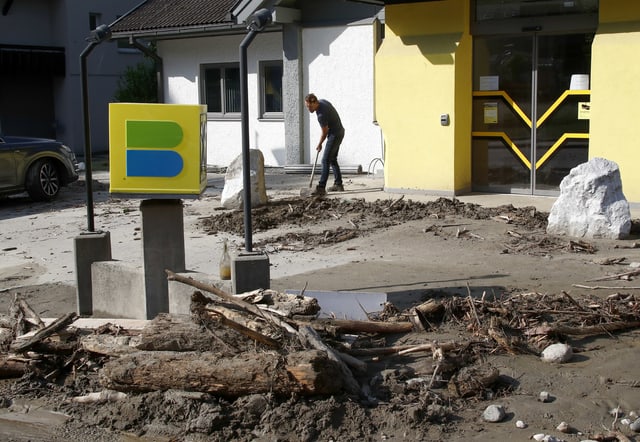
x=259 y=20
x=97 y=36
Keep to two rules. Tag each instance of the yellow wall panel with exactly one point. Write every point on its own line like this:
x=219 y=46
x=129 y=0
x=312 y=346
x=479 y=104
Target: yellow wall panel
x=423 y=71
x=612 y=11
x=615 y=97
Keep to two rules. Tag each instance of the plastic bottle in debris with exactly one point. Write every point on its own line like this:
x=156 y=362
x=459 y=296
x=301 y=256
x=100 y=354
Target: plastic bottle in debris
x=225 y=262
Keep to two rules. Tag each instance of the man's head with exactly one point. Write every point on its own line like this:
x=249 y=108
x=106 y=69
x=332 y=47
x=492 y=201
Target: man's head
x=311 y=101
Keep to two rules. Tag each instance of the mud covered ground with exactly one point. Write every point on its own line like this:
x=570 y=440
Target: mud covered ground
x=401 y=398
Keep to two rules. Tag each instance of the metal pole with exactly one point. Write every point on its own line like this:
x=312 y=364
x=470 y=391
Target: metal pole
x=246 y=155
x=87 y=135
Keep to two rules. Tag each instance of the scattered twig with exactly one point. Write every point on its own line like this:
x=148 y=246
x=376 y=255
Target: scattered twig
x=603 y=287
x=616 y=276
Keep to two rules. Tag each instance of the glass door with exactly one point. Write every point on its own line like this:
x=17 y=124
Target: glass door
x=530 y=110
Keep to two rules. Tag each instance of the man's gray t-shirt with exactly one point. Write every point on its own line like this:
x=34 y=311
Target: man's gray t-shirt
x=328 y=116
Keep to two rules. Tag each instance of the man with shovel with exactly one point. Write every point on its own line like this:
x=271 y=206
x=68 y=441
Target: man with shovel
x=333 y=133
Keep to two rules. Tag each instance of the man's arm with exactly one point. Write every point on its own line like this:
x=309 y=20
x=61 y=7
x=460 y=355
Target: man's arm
x=325 y=132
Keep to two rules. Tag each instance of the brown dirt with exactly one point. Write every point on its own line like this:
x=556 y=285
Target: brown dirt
x=505 y=246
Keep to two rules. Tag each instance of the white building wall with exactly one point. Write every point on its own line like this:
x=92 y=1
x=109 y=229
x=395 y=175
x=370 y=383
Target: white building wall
x=339 y=64
x=182 y=62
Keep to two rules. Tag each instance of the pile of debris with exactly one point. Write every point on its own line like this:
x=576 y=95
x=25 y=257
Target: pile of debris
x=265 y=350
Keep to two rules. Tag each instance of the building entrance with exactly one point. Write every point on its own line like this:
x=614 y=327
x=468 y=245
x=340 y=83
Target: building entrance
x=531 y=108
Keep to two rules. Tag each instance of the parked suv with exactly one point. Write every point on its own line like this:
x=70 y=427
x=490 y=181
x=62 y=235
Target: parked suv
x=35 y=165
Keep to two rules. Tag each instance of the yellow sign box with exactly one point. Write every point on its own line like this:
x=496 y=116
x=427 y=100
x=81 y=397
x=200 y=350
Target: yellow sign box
x=157 y=150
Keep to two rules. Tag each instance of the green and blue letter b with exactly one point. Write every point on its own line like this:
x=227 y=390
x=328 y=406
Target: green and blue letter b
x=150 y=148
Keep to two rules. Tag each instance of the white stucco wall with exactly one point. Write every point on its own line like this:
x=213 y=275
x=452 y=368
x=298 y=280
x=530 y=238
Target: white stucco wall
x=339 y=67
x=182 y=61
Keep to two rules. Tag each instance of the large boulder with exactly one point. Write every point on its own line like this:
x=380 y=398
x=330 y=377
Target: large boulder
x=233 y=191
x=591 y=203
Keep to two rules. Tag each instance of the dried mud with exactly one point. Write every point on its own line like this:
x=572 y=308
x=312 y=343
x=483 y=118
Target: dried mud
x=398 y=403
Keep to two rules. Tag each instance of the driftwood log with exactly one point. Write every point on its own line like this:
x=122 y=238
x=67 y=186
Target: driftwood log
x=23 y=344
x=308 y=372
x=13 y=367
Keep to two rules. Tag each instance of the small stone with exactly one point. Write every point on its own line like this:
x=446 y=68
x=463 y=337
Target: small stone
x=635 y=426
x=494 y=413
x=520 y=424
x=557 y=353
x=625 y=421
x=633 y=415
x=538 y=436
x=544 y=396
x=563 y=427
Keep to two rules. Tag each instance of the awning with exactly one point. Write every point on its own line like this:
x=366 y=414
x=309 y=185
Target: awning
x=32 y=60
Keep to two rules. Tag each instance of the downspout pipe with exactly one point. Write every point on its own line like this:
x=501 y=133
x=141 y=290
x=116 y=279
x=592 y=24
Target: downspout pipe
x=159 y=66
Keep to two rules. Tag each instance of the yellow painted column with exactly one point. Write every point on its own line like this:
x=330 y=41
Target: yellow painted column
x=615 y=91
x=423 y=71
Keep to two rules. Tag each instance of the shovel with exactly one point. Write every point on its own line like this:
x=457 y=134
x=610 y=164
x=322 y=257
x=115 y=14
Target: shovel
x=306 y=191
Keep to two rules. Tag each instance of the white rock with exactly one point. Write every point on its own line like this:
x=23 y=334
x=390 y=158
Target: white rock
x=635 y=426
x=538 y=436
x=233 y=191
x=633 y=415
x=558 y=353
x=544 y=396
x=520 y=424
x=563 y=427
x=591 y=203
x=625 y=421
x=494 y=413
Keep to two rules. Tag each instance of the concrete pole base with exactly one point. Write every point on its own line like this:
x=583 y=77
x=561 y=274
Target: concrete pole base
x=163 y=248
x=89 y=248
x=250 y=271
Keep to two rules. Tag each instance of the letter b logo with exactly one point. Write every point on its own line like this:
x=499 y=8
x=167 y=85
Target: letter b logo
x=149 y=146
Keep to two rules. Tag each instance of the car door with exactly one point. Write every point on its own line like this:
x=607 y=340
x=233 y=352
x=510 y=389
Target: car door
x=8 y=174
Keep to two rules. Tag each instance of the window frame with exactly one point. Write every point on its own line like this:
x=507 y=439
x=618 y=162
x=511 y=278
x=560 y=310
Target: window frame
x=223 y=115
x=262 y=65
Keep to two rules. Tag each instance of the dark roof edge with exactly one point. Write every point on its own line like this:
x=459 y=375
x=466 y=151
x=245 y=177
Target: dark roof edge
x=181 y=32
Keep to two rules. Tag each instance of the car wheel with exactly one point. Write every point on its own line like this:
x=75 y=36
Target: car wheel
x=43 y=180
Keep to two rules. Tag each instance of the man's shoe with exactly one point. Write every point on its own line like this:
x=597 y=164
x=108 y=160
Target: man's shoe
x=336 y=188
x=319 y=191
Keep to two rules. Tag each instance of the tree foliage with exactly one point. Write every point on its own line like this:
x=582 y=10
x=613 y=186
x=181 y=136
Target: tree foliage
x=138 y=84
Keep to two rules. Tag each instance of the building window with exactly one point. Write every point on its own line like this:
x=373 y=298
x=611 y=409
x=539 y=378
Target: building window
x=95 y=20
x=221 y=89
x=271 y=89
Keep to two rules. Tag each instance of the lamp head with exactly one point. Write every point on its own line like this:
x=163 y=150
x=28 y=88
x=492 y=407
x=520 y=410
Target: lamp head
x=260 y=19
x=99 y=34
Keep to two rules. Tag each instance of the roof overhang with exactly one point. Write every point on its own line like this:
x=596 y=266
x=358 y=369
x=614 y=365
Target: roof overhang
x=392 y=2
x=180 y=32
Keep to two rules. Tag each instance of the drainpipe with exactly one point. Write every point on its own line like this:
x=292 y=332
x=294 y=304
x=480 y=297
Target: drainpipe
x=159 y=67
x=260 y=19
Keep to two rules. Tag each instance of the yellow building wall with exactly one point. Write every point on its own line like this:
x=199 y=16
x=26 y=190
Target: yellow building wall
x=615 y=91
x=423 y=70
